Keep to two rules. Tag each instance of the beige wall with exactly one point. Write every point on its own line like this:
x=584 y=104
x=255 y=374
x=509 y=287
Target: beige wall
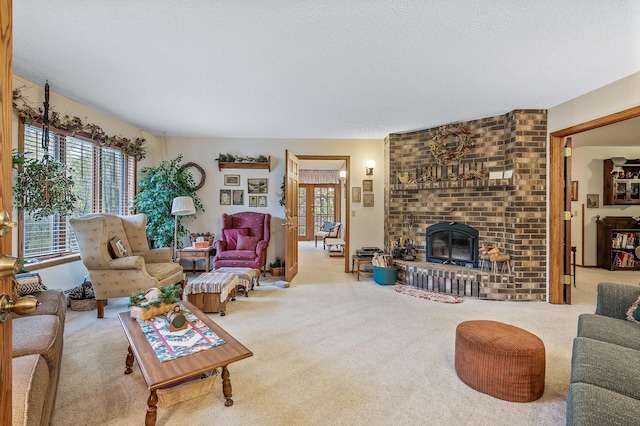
x=366 y=225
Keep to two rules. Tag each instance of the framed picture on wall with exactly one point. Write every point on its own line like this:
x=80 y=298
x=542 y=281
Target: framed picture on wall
x=225 y=197
x=238 y=197
x=574 y=190
x=367 y=200
x=262 y=201
x=257 y=186
x=367 y=185
x=232 y=180
x=253 y=201
x=593 y=201
x=356 y=194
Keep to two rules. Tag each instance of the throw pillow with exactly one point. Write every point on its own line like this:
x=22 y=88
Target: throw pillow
x=326 y=226
x=117 y=249
x=247 y=243
x=633 y=314
x=28 y=283
x=231 y=236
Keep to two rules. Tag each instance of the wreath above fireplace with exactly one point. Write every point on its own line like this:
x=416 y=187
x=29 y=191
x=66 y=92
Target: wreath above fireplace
x=438 y=144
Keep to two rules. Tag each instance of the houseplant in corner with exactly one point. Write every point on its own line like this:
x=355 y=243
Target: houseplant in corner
x=157 y=189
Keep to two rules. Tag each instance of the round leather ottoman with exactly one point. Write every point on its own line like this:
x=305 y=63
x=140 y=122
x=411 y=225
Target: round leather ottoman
x=500 y=360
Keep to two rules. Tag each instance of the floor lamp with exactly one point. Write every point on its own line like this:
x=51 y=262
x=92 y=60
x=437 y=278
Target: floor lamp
x=182 y=206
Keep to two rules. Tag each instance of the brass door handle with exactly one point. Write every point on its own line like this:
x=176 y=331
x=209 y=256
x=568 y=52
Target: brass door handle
x=8 y=266
x=23 y=306
x=5 y=223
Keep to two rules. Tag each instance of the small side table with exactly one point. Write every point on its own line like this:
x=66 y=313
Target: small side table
x=194 y=254
x=356 y=261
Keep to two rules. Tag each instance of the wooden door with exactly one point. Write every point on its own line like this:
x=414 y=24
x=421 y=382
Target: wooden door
x=6 y=28
x=567 y=223
x=291 y=216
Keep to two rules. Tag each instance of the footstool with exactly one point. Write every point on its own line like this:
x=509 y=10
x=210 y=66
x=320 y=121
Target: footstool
x=210 y=291
x=247 y=277
x=500 y=360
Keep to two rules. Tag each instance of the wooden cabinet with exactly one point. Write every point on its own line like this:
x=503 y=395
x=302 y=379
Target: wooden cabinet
x=621 y=187
x=618 y=241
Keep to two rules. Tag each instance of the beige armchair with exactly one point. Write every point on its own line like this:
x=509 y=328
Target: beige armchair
x=115 y=251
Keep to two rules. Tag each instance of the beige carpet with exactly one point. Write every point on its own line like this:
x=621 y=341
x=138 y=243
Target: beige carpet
x=329 y=350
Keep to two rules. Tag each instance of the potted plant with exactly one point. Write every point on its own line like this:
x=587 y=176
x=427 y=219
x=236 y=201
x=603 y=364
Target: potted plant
x=158 y=187
x=277 y=267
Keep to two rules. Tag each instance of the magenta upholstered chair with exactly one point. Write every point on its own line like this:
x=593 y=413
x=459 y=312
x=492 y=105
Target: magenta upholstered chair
x=244 y=241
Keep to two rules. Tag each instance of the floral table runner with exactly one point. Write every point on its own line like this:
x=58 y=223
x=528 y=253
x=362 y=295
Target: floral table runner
x=171 y=345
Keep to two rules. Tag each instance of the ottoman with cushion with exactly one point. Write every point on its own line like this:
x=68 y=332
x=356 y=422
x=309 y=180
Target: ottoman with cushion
x=210 y=291
x=500 y=360
x=247 y=277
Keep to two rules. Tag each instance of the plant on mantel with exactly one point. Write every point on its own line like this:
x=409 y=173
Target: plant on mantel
x=230 y=158
x=74 y=125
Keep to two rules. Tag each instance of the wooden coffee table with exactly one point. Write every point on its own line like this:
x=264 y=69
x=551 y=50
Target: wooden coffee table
x=163 y=374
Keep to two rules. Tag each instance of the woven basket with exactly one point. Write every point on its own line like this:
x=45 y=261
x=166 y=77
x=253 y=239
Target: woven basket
x=276 y=272
x=190 y=389
x=83 y=304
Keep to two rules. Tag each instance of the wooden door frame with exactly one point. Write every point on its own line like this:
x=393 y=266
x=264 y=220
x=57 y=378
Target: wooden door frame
x=6 y=138
x=557 y=192
x=347 y=204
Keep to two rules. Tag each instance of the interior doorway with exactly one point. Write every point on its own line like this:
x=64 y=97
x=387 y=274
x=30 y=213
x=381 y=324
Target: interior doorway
x=558 y=193
x=334 y=163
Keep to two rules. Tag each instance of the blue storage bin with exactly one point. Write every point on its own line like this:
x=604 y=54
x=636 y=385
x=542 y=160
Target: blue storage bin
x=385 y=276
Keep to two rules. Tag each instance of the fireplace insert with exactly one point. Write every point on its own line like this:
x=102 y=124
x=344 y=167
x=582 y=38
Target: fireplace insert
x=452 y=243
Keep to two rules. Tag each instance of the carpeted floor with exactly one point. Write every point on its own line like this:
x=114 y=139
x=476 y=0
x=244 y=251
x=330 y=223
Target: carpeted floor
x=329 y=350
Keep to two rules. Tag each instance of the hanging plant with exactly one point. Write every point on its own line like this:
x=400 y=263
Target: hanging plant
x=43 y=188
x=438 y=144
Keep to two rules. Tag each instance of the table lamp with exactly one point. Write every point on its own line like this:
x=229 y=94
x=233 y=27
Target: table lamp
x=182 y=206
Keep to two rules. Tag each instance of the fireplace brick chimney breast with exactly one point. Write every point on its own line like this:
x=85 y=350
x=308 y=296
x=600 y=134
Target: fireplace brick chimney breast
x=508 y=210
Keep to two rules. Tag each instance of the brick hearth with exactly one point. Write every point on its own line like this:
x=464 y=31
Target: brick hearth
x=510 y=212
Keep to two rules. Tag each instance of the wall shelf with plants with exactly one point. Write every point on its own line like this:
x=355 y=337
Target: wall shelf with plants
x=227 y=161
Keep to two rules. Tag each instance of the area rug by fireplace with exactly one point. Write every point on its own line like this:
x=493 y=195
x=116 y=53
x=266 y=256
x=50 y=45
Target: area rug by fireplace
x=428 y=295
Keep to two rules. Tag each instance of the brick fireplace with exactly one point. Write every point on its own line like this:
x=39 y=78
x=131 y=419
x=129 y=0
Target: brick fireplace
x=508 y=209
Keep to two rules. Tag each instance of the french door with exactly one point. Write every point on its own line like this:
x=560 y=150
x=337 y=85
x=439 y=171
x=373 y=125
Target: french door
x=316 y=204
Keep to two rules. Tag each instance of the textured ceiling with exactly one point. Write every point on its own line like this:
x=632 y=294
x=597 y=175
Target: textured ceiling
x=322 y=68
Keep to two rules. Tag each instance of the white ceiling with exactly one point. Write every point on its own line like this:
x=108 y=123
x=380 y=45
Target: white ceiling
x=321 y=68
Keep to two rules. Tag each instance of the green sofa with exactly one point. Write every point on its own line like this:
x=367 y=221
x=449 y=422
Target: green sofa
x=605 y=378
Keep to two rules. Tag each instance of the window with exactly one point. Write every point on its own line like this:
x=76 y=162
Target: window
x=104 y=182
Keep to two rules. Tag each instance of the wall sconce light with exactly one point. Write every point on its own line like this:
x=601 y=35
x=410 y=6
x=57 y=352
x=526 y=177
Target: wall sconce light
x=343 y=176
x=370 y=165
